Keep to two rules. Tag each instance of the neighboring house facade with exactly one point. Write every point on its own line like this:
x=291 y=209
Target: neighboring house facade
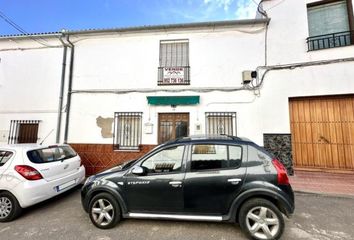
x=286 y=83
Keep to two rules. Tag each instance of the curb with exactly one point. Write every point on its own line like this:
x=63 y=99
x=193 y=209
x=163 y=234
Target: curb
x=338 y=195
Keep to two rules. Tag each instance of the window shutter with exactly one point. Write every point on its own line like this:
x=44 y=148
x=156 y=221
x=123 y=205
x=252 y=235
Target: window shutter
x=328 y=18
x=174 y=53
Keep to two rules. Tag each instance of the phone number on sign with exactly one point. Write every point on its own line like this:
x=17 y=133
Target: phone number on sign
x=173 y=80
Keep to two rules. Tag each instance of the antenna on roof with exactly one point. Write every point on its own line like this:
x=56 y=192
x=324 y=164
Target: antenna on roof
x=46 y=136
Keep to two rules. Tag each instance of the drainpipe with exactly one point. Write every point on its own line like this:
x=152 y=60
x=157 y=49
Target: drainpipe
x=63 y=69
x=68 y=103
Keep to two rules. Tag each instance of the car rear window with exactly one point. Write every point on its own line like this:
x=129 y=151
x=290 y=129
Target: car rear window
x=51 y=154
x=4 y=157
x=257 y=153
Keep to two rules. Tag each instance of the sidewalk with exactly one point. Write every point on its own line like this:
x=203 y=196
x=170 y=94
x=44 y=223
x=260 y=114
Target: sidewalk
x=321 y=182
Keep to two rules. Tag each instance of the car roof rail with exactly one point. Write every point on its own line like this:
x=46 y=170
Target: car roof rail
x=232 y=137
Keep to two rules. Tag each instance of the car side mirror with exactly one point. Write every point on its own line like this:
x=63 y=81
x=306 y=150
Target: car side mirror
x=137 y=170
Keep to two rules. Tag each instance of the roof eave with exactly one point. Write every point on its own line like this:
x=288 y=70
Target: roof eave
x=24 y=36
x=229 y=23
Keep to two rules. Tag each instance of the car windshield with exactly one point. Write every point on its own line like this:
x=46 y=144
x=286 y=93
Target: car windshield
x=51 y=154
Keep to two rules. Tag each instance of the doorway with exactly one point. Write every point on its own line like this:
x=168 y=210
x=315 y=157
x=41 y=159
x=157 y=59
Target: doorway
x=322 y=131
x=172 y=126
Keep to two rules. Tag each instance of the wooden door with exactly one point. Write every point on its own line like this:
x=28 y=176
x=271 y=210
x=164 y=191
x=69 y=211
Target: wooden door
x=28 y=133
x=322 y=131
x=172 y=126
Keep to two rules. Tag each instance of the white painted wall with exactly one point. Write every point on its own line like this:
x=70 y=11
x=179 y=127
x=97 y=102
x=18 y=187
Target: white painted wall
x=29 y=86
x=84 y=115
x=217 y=58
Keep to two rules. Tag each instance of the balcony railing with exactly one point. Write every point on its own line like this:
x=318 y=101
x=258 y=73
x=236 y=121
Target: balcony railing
x=332 y=40
x=173 y=75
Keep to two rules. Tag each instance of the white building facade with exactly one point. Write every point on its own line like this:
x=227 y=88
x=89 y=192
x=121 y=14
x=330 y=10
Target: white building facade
x=114 y=94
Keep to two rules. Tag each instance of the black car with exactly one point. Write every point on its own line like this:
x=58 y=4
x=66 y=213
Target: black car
x=210 y=178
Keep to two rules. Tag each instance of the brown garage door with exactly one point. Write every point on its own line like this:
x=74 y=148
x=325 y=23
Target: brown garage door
x=322 y=131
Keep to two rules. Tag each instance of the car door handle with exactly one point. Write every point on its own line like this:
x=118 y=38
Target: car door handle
x=234 y=180
x=176 y=183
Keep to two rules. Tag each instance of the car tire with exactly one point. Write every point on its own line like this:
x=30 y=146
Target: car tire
x=261 y=219
x=104 y=211
x=10 y=209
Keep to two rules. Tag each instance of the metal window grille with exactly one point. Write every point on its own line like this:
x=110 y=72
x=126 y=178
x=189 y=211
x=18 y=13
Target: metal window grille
x=221 y=123
x=174 y=53
x=127 y=130
x=174 y=62
x=23 y=131
x=330 y=40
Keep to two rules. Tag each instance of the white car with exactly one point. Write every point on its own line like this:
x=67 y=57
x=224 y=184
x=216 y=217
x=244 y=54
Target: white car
x=30 y=174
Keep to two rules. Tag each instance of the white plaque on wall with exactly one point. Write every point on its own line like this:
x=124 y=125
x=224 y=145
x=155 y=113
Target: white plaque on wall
x=148 y=128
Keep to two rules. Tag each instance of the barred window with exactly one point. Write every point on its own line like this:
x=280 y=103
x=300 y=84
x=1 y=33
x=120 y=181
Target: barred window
x=127 y=130
x=174 y=53
x=174 y=62
x=221 y=123
x=23 y=131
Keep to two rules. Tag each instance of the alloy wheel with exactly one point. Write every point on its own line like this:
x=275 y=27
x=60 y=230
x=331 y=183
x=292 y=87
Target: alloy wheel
x=102 y=212
x=262 y=222
x=5 y=207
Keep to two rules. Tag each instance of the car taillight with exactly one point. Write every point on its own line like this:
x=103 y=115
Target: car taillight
x=282 y=174
x=28 y=172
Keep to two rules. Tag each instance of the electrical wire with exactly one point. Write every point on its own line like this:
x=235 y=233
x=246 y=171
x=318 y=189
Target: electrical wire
x=21 y=30
x=292 y=66
x=16 y=26
x=264 y=13
x=261 y=10
x=153 y=90
x=25 y=49
x=275 y=5
x=254 y=1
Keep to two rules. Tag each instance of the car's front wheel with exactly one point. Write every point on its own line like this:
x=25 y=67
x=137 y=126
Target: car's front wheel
x=104 y=211
x=260 y=219
x=9 y=207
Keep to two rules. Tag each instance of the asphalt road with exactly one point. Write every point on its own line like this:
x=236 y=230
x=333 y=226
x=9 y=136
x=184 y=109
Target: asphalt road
x=317 y=217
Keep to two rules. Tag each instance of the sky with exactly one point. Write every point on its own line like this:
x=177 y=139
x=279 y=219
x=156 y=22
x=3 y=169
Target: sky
x=37 y=16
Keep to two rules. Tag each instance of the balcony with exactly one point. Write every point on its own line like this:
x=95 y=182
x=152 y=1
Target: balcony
x=173 y=76
x=332 y=40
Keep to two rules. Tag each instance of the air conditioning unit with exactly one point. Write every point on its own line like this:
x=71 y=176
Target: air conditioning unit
x=248 y=76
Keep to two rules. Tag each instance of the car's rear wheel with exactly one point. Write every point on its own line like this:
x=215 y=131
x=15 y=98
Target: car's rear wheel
x=104 y=211
x=9 y=207
x=260 y=219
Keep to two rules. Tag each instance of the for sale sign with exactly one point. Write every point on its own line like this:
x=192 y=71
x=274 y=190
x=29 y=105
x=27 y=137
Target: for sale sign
x=173 y=75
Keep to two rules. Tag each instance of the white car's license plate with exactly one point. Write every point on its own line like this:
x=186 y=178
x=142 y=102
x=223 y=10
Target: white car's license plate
x=65 y=185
